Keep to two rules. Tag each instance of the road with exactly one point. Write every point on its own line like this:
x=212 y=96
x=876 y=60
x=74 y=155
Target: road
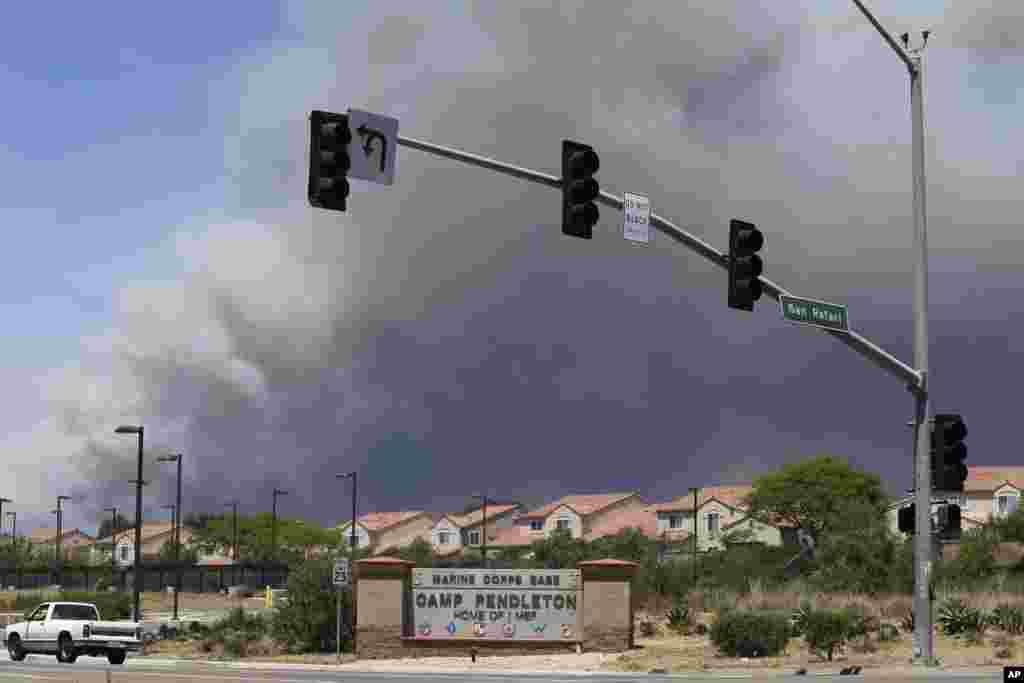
x=149 y=670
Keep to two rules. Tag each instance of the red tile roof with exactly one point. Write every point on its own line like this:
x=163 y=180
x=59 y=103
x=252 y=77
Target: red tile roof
x=47 y=535
x=582 y=504
x=512 y=536
x=378 y=521
x=991 y=478
x=731 y=495
x=644 y=519
x=476 y=516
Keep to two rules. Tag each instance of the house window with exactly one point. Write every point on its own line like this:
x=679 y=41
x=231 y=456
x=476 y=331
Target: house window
x=443 y=538
x=713 y=518
x=675 y=522
x=1006 y=504
x=474 y=538
x=562 y=523
x=536 y=525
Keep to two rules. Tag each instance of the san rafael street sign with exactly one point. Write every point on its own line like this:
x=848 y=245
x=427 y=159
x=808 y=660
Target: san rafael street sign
x=817 y=313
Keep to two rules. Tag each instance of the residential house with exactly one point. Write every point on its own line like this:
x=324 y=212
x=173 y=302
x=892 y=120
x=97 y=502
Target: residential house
x=720 y=510
x=74 y=543
x=989 y=492
x=154 y=536
x=385 y=531
x=583 y=515
x=453 y=532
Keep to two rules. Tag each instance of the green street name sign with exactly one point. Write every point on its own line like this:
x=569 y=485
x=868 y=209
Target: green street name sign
x=817 y=313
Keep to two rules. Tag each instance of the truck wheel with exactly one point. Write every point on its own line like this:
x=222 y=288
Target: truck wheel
x=66 y=650
x=14 y=649
x=115 y=657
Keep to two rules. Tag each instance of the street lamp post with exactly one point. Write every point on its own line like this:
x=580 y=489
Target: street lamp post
x=58 y=555
x=14 y=532
x=273 y=521
x=696 y=526
x=483 y=522
x=177 y=529
x=923 y=649
x=234 y=529
x=137 y=570
x=113 y=541
x=351 y=565
x=2 y=501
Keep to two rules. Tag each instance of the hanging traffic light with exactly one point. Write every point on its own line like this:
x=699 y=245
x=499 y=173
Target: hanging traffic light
x=329 y=161
x=905 y=517
x=744 y=264
x=949 y=453
x=579 y=189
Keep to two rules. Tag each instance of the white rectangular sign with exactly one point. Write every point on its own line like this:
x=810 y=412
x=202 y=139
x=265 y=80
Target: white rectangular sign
x=496 y=604
x=374 y=146
x=342 y=575
x=636 y=225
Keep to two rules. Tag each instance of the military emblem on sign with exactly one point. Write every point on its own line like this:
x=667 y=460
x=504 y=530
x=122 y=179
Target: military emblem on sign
x=510 y=630
x=566 y=631
x=451 y=628
x=425 y=628
x=479 y=629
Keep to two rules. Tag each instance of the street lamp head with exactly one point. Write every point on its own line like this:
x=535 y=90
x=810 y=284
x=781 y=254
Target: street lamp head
x=279 y=492
x=168 y=458
x=6 y=500
x=63 y=497
x=346 y=475
x=110 y=509
x=12 y=514
x=169 y=507
x=128 y=429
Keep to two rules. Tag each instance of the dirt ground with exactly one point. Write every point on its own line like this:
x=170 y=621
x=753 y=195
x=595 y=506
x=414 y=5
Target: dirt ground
x=163 y=601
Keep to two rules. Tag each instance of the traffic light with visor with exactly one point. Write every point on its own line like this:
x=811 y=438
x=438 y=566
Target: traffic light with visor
x=329 y=161
x=905 y=518
x=579 y=189
x=745 y=266
x=949 y=453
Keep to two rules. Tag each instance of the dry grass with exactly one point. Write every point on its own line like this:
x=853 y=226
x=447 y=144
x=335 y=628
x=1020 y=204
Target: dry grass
x=163 y=601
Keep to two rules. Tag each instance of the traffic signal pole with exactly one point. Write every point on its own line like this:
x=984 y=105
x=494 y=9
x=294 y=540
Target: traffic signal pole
x=879 y=356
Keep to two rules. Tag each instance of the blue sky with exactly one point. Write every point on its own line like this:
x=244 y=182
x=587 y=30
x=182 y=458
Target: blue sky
x=162 y=264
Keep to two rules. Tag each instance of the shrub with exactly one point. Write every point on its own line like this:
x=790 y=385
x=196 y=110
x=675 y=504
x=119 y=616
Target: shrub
x=800 y=618
x=888 y=632
x=648 y=628
x=679 y=617
x=111 y=606
x=740 y=633
x=907 y=621
x=307 y=622
x=826 y=631
x=959 y=619
x=1009 y=618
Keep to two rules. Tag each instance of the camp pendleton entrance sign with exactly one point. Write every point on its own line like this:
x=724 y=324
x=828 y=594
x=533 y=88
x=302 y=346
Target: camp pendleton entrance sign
x=496 y=604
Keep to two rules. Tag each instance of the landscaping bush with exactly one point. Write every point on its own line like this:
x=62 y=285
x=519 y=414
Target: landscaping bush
x=307 y=623
x=800 y=618
x=888 y=632
x=957 y=618
x=740 y=633
x=679 y=618
x=826 y=631
x=1009 y=618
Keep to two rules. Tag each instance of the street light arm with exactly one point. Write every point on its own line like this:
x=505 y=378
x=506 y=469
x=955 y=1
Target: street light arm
x=900 y=52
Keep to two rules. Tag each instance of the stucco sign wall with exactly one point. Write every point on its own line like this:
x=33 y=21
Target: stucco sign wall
x=498 y=604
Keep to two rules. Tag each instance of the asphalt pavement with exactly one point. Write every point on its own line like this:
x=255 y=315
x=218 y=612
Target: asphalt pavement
x=151 y=670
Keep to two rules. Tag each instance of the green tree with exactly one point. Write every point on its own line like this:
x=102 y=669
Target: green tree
x=307 y=621
x=858 y=553
x=189 y=553
x=560 y=551
x=419 y=551
x=815 y=494
x=295 y=538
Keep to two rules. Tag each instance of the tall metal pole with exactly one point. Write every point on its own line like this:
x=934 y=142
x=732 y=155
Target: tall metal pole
x=14 y=534
x=273 y=526
x=696 y=527
x=177 y=543
x=923 y=647
x=484 y=520
x=352 y=565
x=2 y=501
x=923 y=540
x=137 y=569
x=113 y=542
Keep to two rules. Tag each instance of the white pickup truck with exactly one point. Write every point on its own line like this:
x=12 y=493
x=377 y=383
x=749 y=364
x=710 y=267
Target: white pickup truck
x=69 y=629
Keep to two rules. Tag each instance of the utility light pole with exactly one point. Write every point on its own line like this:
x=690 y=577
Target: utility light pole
x=696 y=526
x=351 y=566
x=273 y=521
x=113 y=541
x=923 y=647
x=234 y=528
x=137 y=568
x=177 y=529
x=14 y=532
x=2 y=501
x=60 y=530
x=483 y=522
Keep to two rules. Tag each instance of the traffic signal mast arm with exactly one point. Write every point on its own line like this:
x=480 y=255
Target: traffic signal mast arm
x=906 y=374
